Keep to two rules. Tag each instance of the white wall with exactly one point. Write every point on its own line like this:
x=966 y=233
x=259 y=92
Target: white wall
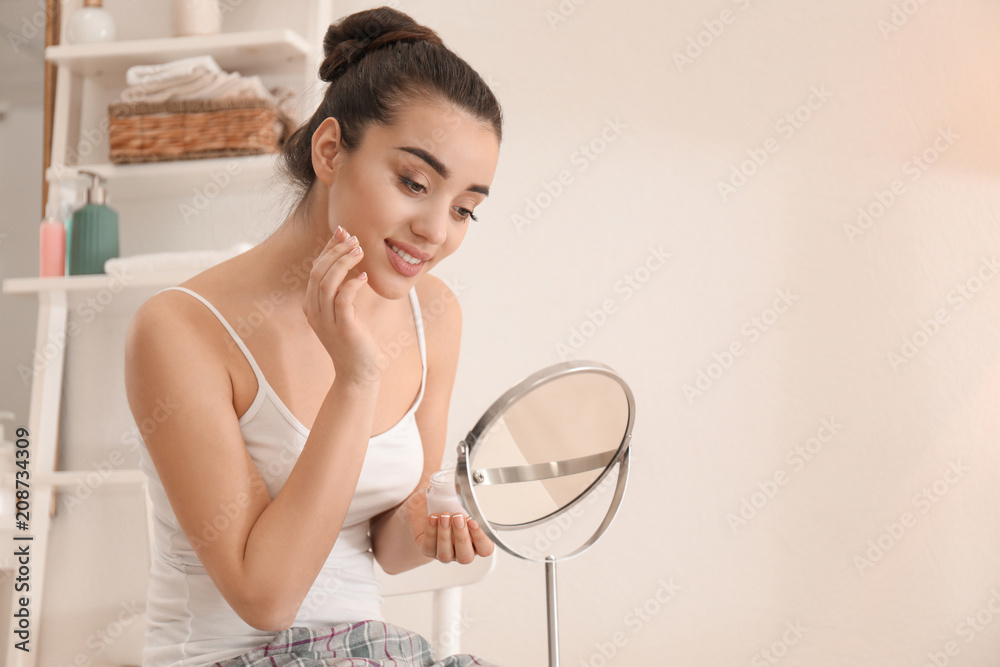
x=856 y=299
x=21 y=99
x=899 y=427
x=21 y=95
x=21 y=194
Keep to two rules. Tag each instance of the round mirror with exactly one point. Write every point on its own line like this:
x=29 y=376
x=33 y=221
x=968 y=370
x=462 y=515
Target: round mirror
x=544 y=469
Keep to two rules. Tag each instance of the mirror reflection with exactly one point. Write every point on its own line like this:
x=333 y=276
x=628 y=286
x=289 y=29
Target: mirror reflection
x=544 y=470
x=559 y=535
x=577 y=422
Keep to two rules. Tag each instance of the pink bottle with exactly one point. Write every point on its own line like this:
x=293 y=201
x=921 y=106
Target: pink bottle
x=52 y=244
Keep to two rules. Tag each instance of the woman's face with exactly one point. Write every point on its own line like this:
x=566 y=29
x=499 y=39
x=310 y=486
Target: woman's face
x=410 y=188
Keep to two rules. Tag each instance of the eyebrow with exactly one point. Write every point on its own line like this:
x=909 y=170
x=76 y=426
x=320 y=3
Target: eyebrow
x=439 y=167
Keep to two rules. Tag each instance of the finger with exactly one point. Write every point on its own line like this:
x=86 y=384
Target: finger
x=335 y=246
x=343 y=303
x=333 y=254
x=464 y=551
x=312 y=284
x=428 y=544
x=480 y=540
x=445 y=551
x=334 y=249
x=332 y=281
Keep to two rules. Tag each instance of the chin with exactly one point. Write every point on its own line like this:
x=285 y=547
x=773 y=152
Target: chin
x=396 y=287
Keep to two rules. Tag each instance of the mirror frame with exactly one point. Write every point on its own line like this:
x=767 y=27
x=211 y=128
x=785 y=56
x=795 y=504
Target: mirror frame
x=467 y=447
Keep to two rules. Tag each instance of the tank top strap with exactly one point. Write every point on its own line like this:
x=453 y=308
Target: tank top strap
x=419 y=321
x=232 y=332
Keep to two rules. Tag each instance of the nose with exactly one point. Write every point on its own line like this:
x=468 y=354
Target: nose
x=432 y=226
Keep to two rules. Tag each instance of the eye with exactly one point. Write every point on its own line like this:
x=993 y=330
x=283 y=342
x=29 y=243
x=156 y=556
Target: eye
x=418 y=188
x=412 y=185
x=465 y=214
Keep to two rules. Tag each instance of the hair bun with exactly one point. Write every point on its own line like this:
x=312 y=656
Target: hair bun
x=348 y=40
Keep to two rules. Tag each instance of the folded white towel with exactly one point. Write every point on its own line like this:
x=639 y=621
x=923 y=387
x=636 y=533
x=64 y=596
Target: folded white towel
x=192 y=260
x=191 y=79
x=150 y=74
x=227 y=86
x=174 y=88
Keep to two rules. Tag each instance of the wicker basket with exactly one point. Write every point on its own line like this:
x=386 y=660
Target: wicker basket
x=191 y=129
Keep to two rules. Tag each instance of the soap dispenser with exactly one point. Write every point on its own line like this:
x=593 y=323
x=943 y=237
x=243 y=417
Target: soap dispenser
x=93 y=232
x=52 y=242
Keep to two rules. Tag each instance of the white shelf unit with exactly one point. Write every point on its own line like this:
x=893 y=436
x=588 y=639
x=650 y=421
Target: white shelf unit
x=93 y=75
x=93 y=283
x=257 y=52
x=54 y=295
x=173 y=178
x=90 y=76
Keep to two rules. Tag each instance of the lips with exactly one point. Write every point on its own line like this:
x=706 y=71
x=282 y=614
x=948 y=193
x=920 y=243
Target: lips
x=407 y=260
x=414 y=253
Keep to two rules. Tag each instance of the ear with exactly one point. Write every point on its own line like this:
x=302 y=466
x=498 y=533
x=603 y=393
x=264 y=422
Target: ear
x=325 y=147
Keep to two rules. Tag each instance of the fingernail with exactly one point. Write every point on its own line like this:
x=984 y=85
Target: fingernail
x=363 y=275
x=339 y=230
x=432 y=519
x=356 y=251
x=445 y=518
x=352 y=240
x=459 y=521
x=473 y=524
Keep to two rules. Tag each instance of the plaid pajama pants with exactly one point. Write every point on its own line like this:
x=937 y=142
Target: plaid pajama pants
x=362 y=644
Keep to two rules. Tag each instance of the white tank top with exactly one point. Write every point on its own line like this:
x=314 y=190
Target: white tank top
x=189 y=623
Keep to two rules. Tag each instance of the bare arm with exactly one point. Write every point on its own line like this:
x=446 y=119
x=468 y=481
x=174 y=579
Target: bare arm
x=263 y=555
x=398 y=534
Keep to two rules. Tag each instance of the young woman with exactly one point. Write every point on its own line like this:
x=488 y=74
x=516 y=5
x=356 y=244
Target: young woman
x=291 y=453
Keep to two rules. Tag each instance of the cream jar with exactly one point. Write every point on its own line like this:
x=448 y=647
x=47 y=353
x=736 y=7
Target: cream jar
x=442 y=497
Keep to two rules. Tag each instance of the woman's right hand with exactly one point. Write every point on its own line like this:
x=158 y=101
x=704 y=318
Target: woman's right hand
x=329 y=308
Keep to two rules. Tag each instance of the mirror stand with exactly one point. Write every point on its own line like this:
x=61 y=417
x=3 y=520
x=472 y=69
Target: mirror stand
x=537 y=453
x=552 y=608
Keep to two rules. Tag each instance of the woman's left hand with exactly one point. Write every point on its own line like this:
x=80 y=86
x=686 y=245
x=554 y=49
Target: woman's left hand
x=444 y=537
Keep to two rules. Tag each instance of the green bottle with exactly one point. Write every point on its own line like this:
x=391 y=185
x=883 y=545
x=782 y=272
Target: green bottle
x=94 y=231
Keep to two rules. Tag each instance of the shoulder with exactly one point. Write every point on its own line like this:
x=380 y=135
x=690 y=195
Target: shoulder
x=442 y=318
x=173 y=353
x=439 y=306
x=165 y=313
x=173 y=327
x=176 y=311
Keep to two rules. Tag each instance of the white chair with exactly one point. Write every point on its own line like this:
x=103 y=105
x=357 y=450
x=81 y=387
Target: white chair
x=443 y=580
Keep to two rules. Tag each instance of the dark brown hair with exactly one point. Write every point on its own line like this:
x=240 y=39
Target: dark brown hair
x=377 y=62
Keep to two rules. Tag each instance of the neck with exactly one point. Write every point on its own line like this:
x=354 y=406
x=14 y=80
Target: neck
x=284 y=259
